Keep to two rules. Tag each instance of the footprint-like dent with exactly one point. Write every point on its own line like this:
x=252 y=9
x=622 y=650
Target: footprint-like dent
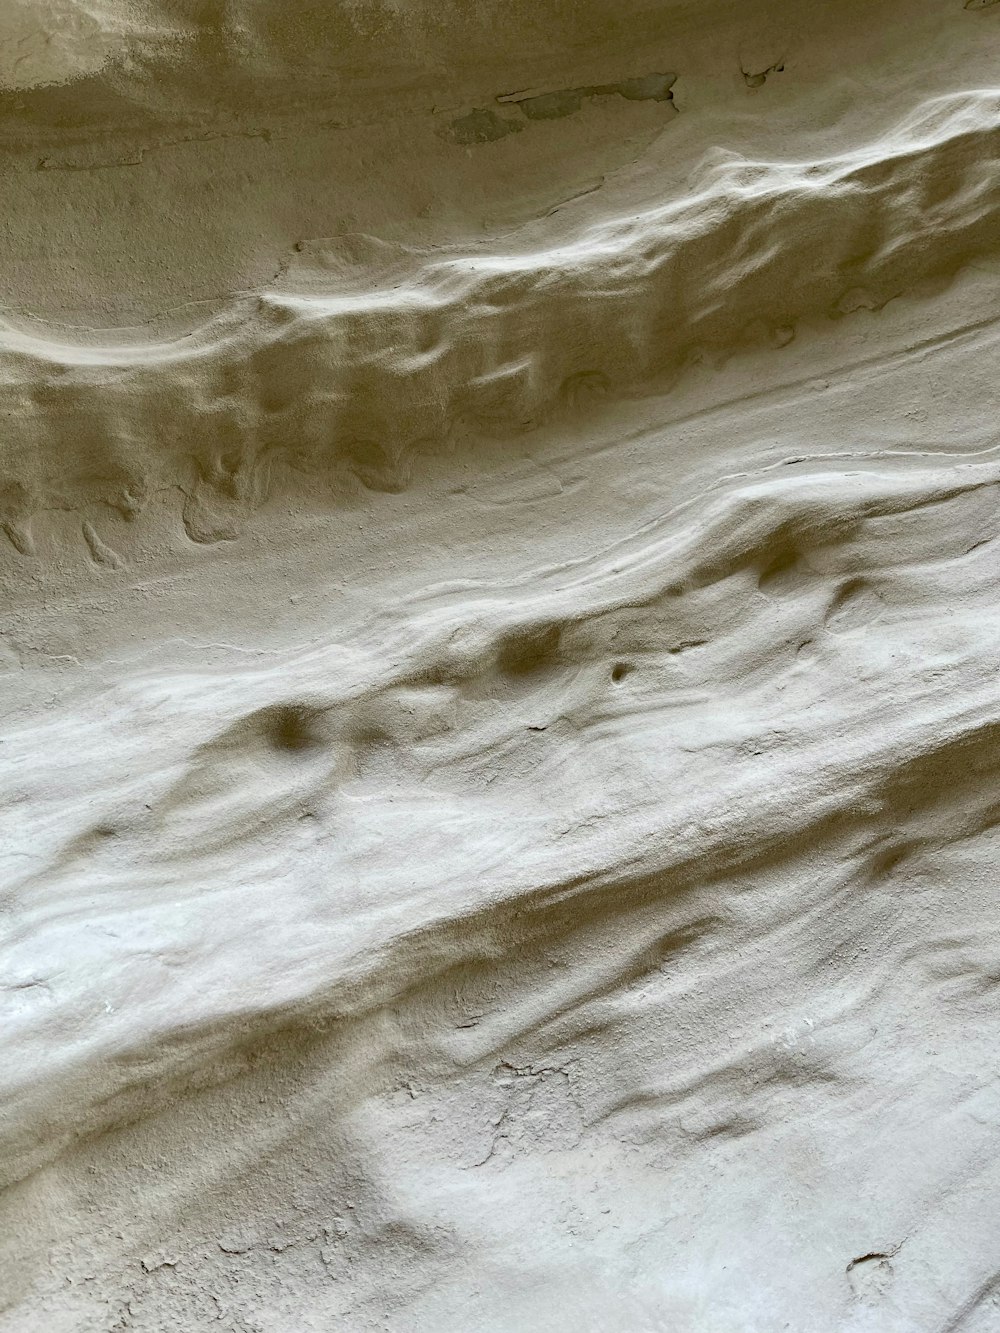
x=619 y=671
x=784 y=572
x=887 y=859
x=855 y=603
x=100 y=552
x=383 y=734
x=529 y=651
x=19 y=536
x=378 y=756
x=375 y=467
x=245 y=778
x=207 y=520
x=283 y=728
x=870 y=1275
x=290 y=728
x=584 y=389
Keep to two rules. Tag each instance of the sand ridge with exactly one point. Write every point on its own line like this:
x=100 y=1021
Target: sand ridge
x=499 y=551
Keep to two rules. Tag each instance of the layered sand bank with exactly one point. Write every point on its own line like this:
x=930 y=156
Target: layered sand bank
x=498 y=518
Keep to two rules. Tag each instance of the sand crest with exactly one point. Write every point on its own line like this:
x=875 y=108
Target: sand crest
x=499 y=637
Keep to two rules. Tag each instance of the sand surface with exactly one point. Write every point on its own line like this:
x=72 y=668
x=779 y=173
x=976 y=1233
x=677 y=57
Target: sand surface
x=500 y=650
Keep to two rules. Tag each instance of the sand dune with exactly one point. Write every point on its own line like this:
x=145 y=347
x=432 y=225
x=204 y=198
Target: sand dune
x=499 y=546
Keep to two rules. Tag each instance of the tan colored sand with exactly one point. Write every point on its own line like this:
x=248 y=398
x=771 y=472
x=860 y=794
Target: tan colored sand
x=500 y=646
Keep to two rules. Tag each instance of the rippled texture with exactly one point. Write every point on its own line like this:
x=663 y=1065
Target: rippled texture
x=500 y=642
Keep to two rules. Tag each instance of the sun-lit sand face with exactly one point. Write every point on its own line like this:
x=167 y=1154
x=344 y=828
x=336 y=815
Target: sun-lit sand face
x=498 y=514
x=50 y=43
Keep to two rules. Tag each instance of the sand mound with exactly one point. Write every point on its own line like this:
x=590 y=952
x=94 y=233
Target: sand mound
x=498 y=527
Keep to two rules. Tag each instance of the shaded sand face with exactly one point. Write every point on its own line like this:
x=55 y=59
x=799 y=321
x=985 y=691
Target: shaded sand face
x=499 y=641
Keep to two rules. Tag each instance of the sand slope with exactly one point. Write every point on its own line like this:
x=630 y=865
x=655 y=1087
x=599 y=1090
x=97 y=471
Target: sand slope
x=498 y=536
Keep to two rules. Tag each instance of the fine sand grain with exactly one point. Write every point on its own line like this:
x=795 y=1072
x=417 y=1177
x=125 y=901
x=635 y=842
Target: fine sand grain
x=500 y=647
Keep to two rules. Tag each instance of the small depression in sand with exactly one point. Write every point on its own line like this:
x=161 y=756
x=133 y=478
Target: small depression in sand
x=499 y=637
